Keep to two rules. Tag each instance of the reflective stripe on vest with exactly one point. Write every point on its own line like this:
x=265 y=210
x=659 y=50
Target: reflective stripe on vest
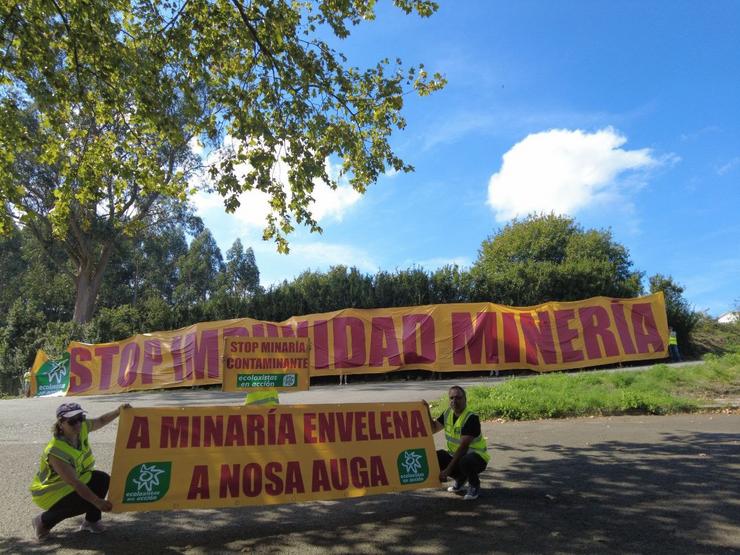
x=262 y=397
x=453 y=433
x=672 y=339
x=48 y=487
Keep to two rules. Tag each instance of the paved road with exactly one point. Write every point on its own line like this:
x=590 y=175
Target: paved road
x=596 y=485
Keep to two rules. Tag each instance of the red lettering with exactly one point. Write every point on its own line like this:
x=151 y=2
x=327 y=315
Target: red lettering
x=344 y=425
x=138 y=436
x=418 y=428
x=358 y=469
x=327 y=431
x=566 y=335
x=372 y=430
x=465 y=335
x=286 y=431
x=178 y=365
x=152 y=358
x=320 y=477
x=360 y=425
x=237 y=331
x=199 y=483
x=622 y=328
x=401 y=423
x=538 y=339
x=213 y=433
x=309 y=428
x=128 y=364
x=646 y=330
x=512 y=350
x=339 y=474
x=595 y=321
x=106 y=354
x=377 y=472
x=344 y=344
x=273 y=481
x=383 y=342
x=255 y=429
x=293 y=478
x=228 y=485
x=385 y=424
x=425 y=324
x=320 y=345
x=173 y=432
x=234 y=431
x=80 y=376
x=195 y=432
x=252 y=480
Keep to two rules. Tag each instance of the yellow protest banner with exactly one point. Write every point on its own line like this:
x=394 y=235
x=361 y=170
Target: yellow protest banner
x=226 y=456
x=442 y=338
x=255 y=363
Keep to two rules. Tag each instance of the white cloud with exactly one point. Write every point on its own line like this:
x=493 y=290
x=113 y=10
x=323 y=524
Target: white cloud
x=563 y=171
x=729 y=166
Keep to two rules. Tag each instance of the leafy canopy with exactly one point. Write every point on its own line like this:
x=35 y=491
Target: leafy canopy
x=104 y=98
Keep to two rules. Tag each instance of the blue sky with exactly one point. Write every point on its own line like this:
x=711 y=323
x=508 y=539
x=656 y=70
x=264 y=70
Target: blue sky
x=624 y=115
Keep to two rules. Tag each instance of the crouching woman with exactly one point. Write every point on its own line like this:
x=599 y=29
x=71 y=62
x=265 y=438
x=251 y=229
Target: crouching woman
x=66 y=483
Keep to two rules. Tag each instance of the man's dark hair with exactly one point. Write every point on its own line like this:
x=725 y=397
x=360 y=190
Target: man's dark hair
x=461 y=390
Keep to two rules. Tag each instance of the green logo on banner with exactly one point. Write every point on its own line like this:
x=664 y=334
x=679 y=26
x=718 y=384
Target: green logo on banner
x=413 y=467
x=147 y=482
x=53 y=377
x=247 y=381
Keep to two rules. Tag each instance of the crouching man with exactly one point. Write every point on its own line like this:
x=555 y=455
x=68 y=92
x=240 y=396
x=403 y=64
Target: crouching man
x=466 y=455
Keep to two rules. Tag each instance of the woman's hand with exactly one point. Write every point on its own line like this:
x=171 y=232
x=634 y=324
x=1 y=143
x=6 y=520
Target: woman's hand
x=104 y=505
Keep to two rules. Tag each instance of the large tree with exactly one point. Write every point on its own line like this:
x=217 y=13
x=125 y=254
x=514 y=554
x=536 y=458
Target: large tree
x=101 y=100
x=551 y=258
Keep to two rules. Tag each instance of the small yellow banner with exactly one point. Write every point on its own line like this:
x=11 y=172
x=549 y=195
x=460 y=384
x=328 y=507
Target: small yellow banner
x=256 y=363
x=227 y=456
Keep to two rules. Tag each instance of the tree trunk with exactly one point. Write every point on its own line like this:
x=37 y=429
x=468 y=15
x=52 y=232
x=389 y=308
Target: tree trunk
x=87 y=283
x=86 y=294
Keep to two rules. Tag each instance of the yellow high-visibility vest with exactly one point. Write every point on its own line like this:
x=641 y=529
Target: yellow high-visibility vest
x=262 y=397
x=453 y=435
x=672 y=339
x=48 y=487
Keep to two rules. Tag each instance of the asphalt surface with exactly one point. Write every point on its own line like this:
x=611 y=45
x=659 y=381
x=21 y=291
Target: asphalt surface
x=632 y=484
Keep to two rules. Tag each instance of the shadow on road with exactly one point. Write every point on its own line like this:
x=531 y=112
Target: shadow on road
x=680 y=496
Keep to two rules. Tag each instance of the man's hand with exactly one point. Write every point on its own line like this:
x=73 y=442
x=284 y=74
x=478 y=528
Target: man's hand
x=104 y=505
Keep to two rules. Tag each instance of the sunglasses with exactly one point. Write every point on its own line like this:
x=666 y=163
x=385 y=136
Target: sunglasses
x=75 y=419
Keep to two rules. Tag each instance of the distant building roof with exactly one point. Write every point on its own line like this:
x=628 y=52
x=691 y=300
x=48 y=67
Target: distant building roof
x=729 y=317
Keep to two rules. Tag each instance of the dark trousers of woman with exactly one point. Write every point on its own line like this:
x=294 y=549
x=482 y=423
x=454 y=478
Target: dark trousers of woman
x=466 y=469
x=73 y=505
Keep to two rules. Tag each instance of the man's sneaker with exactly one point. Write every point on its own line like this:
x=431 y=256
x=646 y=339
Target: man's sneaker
x=92 y=527
x=473 y=493
x=42 y=532
x=456 y=487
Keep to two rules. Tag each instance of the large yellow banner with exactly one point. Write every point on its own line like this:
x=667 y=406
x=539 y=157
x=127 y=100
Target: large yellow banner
x=207 y=457
x=442 y=338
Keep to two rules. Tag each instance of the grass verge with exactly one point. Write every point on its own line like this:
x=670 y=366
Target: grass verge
x=661 y=389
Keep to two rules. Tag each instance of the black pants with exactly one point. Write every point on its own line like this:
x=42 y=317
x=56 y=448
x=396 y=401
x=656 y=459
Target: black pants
x=466 y=469
x=72 y=504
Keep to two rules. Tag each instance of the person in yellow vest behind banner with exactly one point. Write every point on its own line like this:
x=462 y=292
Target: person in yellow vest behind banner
x=266 y=397
x=66 y=484
x=673 y=346
x=27 y=384
x=466 y=455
